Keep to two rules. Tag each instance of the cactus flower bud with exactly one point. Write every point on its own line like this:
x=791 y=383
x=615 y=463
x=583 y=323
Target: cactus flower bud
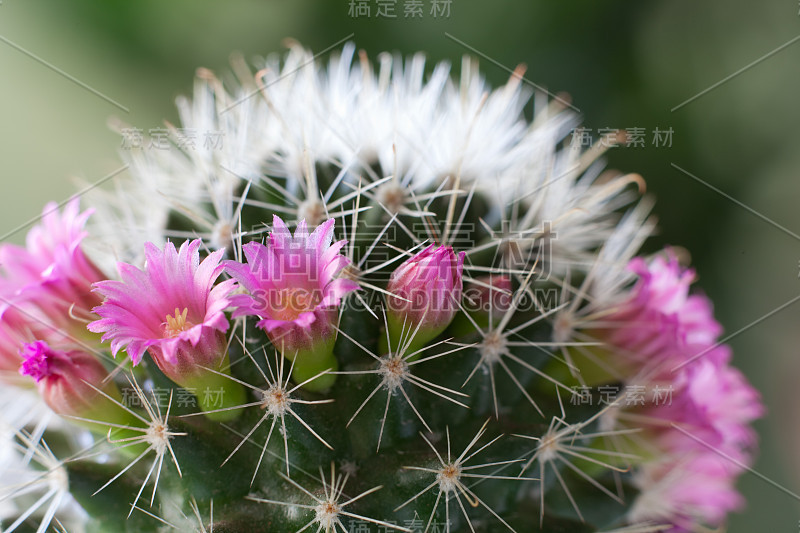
x=173 y=310
x=294 y=289
x=426 y=293
x=69 y=381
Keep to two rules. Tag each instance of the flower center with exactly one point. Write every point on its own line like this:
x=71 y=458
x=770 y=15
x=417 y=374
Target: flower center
x=291 y=302
x=37 y=360
x=177 y=323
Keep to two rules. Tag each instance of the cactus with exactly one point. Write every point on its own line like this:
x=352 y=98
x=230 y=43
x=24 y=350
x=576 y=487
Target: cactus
x=353 y=299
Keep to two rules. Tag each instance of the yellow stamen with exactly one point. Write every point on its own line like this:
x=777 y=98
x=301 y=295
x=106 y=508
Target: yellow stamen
x=176 y=324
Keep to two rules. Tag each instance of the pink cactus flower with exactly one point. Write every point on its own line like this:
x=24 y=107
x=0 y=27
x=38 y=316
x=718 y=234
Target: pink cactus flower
x=52 y=271
x=661 y=325
x=173 y=310
x=669 y=337
x=170 y=308
x=294 y=290
x=46 y=286
x=687 y=492
x=713 y=402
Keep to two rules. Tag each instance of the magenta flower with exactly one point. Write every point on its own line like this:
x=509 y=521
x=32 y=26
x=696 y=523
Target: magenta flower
x=294 y=290
x=22 y=323
x=69 y=383
x=52 y=271
x=664 y=287
x=671 y=337
x=687 y=492
x=46 y=285
x=173 y=310
x=714 y=402
x=729 y=400
x=426 y=290
x=666 y=337
x=703 y=435
x=661 y=325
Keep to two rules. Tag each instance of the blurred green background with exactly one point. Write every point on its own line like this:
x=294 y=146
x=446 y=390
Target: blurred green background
x=625 y=65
